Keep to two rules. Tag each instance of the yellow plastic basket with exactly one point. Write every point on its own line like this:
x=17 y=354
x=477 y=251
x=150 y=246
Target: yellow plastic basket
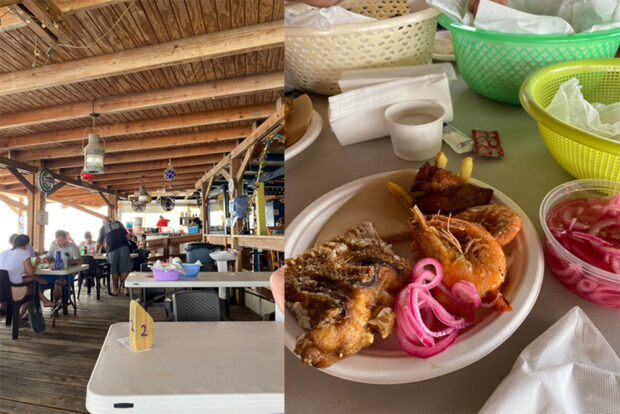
x=582 y=154
x=315 y=59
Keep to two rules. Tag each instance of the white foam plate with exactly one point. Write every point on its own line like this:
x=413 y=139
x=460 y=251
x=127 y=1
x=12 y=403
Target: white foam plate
x=311 y=134
x=385 y=362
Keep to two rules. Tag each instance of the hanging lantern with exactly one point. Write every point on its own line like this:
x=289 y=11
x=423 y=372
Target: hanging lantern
x=169 y=173
x=143 y=195
x=93 y=155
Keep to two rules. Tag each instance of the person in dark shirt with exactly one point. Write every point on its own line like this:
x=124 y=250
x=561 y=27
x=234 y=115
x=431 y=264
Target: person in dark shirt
x=197 y=222
x=115 y=236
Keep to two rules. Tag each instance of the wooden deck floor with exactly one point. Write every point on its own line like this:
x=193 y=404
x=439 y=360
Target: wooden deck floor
x=47 y=373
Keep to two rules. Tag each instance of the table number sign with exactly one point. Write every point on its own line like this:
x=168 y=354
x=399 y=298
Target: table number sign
x=140 y=328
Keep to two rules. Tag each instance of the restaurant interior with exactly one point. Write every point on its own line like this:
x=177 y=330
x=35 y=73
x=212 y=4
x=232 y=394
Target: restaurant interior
x=139 y=111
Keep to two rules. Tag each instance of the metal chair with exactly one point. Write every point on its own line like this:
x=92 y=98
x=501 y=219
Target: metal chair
x=93 y=273
x=196 y=306
x=12 y=307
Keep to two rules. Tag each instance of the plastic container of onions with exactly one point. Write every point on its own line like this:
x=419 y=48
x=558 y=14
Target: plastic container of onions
x=581 y=222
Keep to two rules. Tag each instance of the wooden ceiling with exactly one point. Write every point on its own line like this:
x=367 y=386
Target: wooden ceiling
x=171 y=79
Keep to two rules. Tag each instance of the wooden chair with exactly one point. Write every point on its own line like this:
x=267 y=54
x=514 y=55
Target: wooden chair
x=12 y=307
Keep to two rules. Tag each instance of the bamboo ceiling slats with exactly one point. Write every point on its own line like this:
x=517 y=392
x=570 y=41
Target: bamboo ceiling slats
x=193 y=108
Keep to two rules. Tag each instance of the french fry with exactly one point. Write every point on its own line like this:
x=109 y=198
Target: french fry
x=466 y=168
x=401 y=194
x=441 y=161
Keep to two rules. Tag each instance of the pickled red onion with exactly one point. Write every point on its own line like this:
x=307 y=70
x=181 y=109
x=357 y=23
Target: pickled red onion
x=423 y=326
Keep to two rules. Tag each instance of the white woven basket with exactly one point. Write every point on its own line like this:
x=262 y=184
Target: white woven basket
x=315 y=59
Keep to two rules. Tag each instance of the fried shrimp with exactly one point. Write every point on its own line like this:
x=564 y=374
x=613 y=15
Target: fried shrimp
x=465 y=250
x=502 y=222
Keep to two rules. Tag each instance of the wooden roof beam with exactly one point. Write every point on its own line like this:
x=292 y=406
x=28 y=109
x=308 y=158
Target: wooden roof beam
x=202 y=160
x=10 y=21
x=158 y=154
x=10 y=202
x=138 y=144
x=156 y=172
x=208 y=46
x=160 y=179
x=77 y=206
x=223 y=88
x=137 y=127
x=273 y=122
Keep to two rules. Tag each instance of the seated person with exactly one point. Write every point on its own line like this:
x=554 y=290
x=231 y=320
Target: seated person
x=88 y=243
x=17 y=263
x=197 y=222
x=133 y=246
x=30 y=249
x=142 y=243
x=69 y=252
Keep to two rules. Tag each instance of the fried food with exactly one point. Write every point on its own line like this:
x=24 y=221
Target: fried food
x=502 y=222
x=465 y=250
x=343 y=291
x=442 y=190
x=298 y=114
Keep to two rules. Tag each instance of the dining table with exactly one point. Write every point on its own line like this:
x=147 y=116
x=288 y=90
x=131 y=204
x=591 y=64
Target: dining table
x=193 y=367
x=68 y=273
x=525 y=174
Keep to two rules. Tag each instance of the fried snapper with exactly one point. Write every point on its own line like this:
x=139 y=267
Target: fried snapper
x=436 y=189
x=342 y=292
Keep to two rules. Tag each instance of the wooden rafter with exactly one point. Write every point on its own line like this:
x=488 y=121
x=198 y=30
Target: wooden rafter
x=150 y=165
x=224 y=88
x=25 y=182
x=143 y=126
x=157 y=172
x=159 y=154
x=244 y=163
x=47 y=12
x=139 y=144
x=57 y=187
x=10 y=202
x=77 y=207
x=103 y=197
x=272 y=123
x=209 y=46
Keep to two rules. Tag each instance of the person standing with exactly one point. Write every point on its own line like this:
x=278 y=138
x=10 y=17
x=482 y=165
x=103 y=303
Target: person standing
x=162 y=223
x=115 y=236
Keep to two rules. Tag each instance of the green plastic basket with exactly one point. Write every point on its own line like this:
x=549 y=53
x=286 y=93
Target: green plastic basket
x=495 y=64
x=581 y=153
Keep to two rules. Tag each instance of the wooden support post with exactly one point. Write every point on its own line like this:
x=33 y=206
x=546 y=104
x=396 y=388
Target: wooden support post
x=204 y=206
x=235 y=165
x=36 y=204
x=112 y=202
x=261 y=220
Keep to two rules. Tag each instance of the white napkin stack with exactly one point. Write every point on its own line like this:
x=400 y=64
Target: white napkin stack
x=357 y=116
x=570 y=368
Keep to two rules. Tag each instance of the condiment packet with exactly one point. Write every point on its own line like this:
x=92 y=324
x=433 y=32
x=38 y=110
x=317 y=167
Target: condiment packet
x=458 y=141
x=486 y=143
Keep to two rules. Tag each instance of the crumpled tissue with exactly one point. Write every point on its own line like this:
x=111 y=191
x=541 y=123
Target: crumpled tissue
x=323 y=18
x=172 y=265
x=535 y=16
x=570 y=106
x=570 y=368
x=358 y=115
x=358 y=78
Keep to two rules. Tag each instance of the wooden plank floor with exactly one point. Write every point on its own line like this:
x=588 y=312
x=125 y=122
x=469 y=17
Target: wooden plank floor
x=48 y=372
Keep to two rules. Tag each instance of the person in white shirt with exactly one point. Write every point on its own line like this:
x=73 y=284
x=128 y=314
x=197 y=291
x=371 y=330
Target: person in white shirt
x=69 y=252
x=88 y=243
x=17 y=263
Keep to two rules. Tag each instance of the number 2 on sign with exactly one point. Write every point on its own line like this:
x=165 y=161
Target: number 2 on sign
x=144 y=331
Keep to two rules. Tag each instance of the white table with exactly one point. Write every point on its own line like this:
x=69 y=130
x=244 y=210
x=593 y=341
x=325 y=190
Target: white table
x=103 y=256
x=51 y=275
x=194 y=367
x=526 y=173
x=202 y=280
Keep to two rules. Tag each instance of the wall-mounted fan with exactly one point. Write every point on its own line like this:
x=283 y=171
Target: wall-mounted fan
x=137 y=205
x=167 y=203
x=199 y=201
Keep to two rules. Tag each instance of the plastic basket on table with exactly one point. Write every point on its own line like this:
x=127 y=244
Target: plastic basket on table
x=582 y=154
x=315 y=59
x=495 y=64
